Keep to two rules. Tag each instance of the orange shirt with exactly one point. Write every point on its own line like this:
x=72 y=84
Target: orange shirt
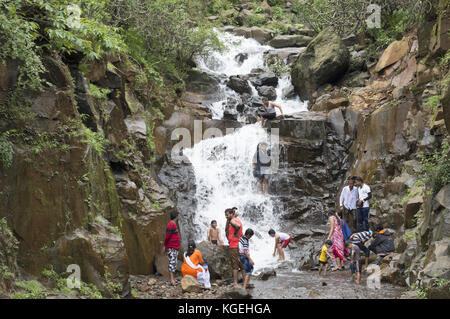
x=234 y=240
x=196 y=259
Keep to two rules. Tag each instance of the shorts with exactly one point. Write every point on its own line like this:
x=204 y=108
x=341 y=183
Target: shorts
x=269 y=116
x=364 y=249
x=354 y=267
x=248 y=267
x=236 y=263
x=214 y=242
x=284 y=243
x=173 y=256
x=323 y=262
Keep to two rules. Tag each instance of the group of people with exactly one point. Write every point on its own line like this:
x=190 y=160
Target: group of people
x=344 y=240
x=349 y=241
x=238 y=249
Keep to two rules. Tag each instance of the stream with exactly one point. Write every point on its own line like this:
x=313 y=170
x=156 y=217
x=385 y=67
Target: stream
x=224 y=179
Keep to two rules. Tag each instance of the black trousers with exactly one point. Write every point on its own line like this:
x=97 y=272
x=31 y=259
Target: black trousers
x=351 y=218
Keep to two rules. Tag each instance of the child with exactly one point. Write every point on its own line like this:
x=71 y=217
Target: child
x=323 y=261
x=355 y=253
x=282 y=240
x=244 y=255
x=214 y=234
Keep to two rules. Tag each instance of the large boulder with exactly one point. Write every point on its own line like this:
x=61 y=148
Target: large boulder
x=217 y=259
x=285 y=41
x=325 y=60
x=239 y=85
x=190 y=284
x=267 y=91
x=265 y=79
x=394 y=52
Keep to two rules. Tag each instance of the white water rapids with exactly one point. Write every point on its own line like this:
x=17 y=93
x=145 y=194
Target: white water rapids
x=223 y=165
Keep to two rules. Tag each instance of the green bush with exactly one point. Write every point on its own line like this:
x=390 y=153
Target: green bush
x=435 y=170
x=32 y=290
x=6 y=150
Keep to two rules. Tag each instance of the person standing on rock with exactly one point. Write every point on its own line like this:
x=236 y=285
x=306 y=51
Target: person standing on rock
x=261 y=166
x=233 y=231
x=364 y=194
x=244 y=255
x=270 y=113
x=214 y=236
x=337 y=238
x=347 y=203
x=282 y=240
x=172 y=245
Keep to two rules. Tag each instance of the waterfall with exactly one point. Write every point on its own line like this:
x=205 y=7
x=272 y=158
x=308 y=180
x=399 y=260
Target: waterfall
x=223 y=165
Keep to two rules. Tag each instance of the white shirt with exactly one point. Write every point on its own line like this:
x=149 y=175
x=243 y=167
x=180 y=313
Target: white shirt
x=283 y=236
x=363 y=192
x=349 y=197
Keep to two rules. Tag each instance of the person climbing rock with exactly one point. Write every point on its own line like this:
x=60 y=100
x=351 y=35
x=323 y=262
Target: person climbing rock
x=270 y=113
x=282 y=240
x=213 y=233
x=233 y=231
x=363 y=208
x=261 y=166
x=360 y=239
x=194 y=265
x=347 y=203
x=172 y=245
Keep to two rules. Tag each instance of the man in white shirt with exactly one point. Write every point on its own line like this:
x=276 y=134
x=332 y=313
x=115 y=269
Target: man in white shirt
x=363 y=208
x=347 y=203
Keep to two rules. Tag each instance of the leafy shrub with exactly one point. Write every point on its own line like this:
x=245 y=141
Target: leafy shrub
x=32 y=290
x=6 y=150
x=435 y=170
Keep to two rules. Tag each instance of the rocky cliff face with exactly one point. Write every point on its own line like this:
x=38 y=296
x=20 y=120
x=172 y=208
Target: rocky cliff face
x=82 y=188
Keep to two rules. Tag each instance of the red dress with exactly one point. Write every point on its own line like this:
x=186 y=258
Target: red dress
x=338 y=247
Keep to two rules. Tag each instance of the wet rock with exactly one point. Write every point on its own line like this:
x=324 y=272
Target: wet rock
x=190 y=284
x=325 y=60
x=265 y=79
x=217 y=259
x=266 y=273
x=241 y=57
x=239 y=85
x=268 y=92
x=411 y=208
x=236 y=293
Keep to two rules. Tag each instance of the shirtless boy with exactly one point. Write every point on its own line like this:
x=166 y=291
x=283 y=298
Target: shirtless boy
x=214 y=234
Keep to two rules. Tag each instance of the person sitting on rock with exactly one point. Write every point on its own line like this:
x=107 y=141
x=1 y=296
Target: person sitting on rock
x=214 y=236
x=383 y=244
x=195 y=266
x=261 y=166
x=270 y=113
x=282 y=240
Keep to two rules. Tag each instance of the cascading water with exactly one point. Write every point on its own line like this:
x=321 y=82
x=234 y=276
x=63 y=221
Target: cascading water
x=223 y=165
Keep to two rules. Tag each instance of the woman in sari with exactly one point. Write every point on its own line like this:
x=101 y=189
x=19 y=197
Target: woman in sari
x=337 y=238
x=194 y=265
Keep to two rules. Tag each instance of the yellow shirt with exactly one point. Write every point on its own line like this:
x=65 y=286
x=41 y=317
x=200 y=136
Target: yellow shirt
x=323 y=255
